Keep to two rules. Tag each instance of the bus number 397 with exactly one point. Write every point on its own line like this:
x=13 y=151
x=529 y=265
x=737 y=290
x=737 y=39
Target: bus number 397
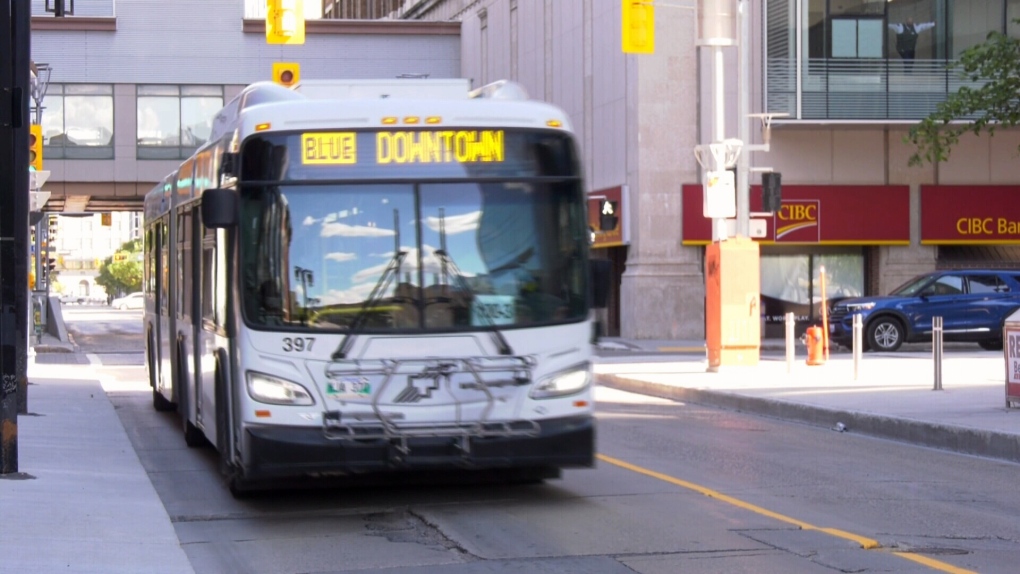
x=298 y=344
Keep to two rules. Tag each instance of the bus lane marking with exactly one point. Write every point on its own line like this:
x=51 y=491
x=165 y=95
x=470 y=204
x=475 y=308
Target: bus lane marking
x=864 y=542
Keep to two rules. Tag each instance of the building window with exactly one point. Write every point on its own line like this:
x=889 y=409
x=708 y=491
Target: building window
x=77 y=121
x=174 y=121
x=872 y=59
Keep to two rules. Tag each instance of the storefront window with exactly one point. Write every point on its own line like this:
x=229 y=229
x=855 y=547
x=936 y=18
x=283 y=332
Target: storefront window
x=174 y=121
x=77 y=121
x=790 y=282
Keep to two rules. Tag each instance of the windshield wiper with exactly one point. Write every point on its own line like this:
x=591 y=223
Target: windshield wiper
x=497 y=337
x=359 y=319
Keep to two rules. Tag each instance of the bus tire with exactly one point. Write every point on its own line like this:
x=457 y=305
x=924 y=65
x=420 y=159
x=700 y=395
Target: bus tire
x=193 y=436
x=532 y=475
x=160 y=403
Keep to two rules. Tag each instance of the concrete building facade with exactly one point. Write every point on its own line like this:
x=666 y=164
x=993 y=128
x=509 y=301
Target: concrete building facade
x=848 y=93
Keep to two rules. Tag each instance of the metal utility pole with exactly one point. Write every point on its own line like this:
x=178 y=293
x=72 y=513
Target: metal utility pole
x=15 y=90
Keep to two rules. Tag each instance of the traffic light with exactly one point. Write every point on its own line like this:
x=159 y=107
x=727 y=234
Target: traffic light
x=608 y=218
x=46 y=272
x=771 y=192
x=287 y=74
x=51 y=231
x=35 y=141
x=638 y=27
x=285 y=22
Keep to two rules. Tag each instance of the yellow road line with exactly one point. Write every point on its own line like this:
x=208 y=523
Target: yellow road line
x=864 y=542
x=681 y=349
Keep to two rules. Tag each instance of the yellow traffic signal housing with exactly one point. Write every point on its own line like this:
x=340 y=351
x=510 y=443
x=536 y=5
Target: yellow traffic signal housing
x=286 y=74
x=35 y=142
x=638 y=27
x=285 y=22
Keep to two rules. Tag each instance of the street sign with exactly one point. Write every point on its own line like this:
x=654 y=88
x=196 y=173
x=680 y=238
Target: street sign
x=37 y=179
x=37 y=200
x=720 y=199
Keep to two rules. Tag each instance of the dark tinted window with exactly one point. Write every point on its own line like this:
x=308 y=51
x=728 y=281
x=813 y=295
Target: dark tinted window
x=945 y=285
x=986 y=284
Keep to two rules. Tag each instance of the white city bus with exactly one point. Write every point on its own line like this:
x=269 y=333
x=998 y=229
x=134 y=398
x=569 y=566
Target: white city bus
x=361 y=277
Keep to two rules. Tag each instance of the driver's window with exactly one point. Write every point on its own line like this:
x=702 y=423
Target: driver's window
x=947 y=285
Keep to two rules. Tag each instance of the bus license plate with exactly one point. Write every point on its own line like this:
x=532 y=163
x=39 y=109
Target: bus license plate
x=349 y=388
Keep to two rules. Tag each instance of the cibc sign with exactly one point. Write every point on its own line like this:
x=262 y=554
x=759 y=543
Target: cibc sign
x=970 y=214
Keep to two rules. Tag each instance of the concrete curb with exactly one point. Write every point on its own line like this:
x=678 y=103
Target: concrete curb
x=945 y=437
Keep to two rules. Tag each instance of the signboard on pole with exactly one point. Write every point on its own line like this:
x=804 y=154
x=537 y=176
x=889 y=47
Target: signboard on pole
x=1011 y=353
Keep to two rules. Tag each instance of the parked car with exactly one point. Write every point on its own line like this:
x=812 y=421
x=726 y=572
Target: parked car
x=72 y=299
x=132 y=301
x=973 y=304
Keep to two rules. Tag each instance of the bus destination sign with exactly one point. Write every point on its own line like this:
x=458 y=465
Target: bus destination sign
x=405 y=147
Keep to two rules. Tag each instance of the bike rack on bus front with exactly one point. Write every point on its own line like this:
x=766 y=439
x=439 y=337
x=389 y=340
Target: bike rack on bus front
x=485 y=373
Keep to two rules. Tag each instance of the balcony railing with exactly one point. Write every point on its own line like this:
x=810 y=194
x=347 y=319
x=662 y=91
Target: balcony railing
x=864 y=90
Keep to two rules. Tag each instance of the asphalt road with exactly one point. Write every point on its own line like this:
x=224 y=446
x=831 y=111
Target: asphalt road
x=678 y=488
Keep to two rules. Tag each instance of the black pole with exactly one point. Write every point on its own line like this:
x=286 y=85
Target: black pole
x=15 y=50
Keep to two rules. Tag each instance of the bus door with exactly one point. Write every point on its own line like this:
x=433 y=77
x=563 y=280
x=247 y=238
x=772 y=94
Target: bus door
x=185 y=300
x=206 y=329
x=164 y=326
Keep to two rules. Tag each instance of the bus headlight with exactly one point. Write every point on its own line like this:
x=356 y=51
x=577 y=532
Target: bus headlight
x=566 y=382
x=276 y=391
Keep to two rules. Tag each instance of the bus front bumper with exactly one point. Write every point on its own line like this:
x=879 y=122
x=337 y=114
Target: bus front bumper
x=278 y=452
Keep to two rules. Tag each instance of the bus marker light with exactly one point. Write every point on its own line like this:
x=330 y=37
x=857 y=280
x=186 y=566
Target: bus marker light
x=554 y=123
x=412 y=120
x=263 y=414
x=389 y=121
x=580 y=404
x=263 y=127
x=433 y=120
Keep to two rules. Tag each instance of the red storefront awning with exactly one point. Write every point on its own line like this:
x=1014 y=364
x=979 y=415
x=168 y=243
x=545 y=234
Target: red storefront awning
x=818 y=215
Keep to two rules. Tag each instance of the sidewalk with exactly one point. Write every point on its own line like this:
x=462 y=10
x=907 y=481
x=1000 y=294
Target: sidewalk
x=891 y=397
x=81 y=502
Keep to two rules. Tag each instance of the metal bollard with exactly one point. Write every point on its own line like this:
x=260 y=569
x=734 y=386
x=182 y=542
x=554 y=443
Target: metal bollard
x=858 y=343
x=936 y=350
x=790 y=323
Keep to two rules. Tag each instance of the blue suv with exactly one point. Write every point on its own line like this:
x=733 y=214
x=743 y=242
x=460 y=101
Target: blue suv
x=973 y=304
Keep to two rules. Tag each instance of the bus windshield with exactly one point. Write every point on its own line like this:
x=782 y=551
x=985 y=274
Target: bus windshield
x=386 y=256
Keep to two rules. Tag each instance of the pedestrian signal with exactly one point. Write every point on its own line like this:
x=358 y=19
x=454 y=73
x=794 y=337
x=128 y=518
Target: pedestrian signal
x=608 y=218
x=35 y=143
x=285 y=22
x=287 y=74
x=638 y=27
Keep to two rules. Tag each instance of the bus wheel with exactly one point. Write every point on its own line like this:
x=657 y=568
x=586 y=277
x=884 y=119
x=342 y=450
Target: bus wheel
x=160 y=403
x=532 y=475
x=239 y=488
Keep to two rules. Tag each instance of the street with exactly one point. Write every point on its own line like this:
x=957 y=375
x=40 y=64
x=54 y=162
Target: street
x=678 y=488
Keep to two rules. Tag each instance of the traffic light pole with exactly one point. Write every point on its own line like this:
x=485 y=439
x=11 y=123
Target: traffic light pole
x=15 y=47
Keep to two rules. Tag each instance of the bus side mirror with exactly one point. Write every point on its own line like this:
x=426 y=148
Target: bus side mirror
x=219 y=208
x=601 y=273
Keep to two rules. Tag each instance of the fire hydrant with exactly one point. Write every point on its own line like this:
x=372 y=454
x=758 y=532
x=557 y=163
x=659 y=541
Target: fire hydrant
x=815 y=346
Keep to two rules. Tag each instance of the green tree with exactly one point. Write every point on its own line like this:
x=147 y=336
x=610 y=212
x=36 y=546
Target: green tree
x=125 y=275
x=995 y=67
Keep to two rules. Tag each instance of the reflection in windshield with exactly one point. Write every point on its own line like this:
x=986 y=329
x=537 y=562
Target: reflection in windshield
x=409 y=257
x=912 y=287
